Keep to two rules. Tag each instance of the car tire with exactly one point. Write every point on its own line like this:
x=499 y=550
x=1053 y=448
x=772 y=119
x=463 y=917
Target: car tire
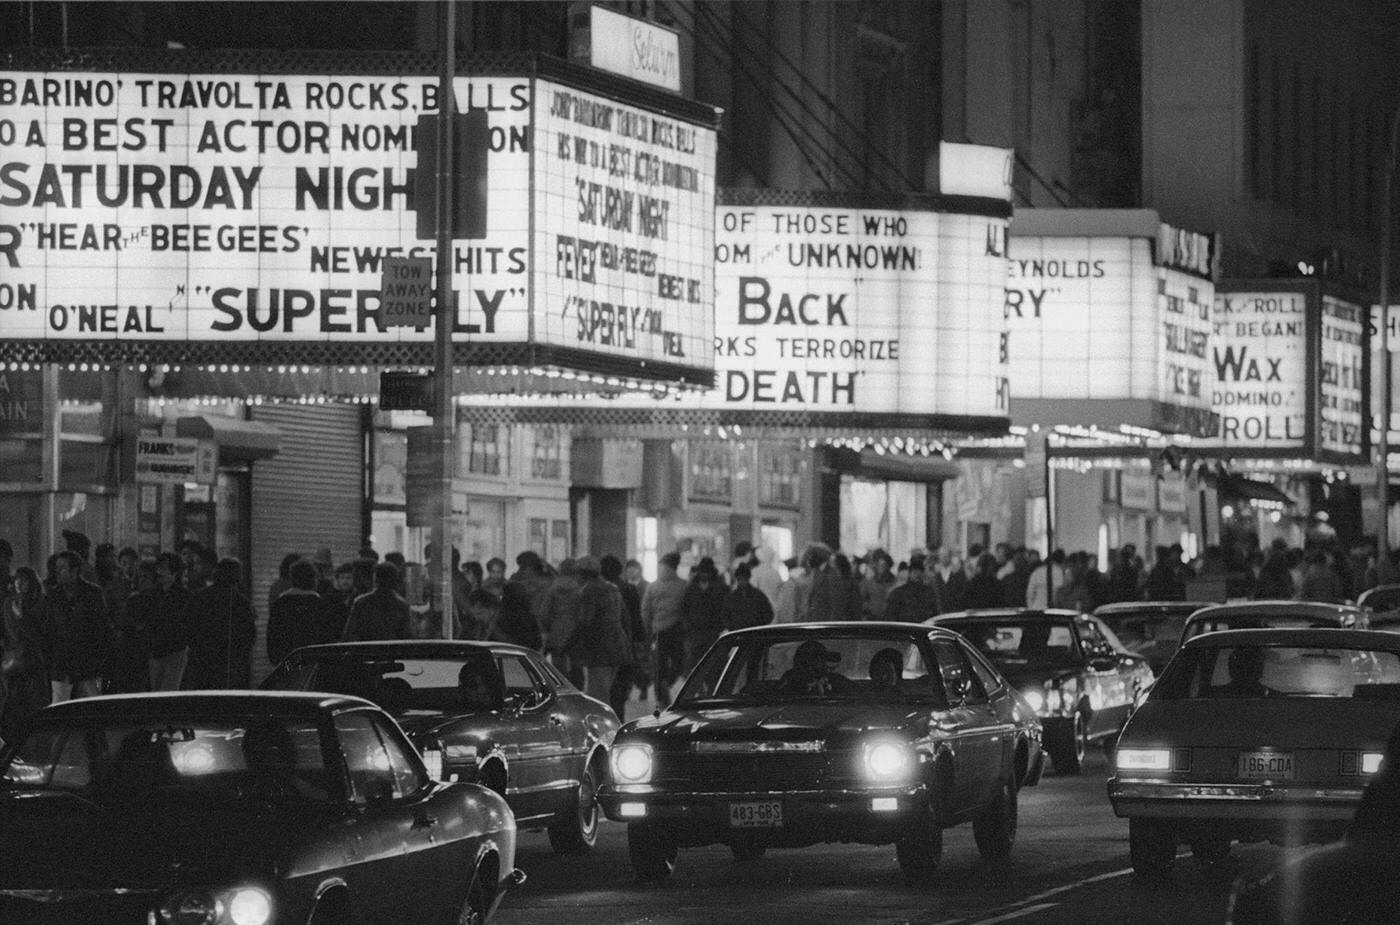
x=652 y=852
x=747 y=852
x=994 y=828
x=1069 y=745
x=920 y=849
x=477 y=903
x=576 y=830
x=1151 y=846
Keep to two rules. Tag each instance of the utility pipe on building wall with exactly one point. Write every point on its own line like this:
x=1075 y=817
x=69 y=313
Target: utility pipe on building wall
x=445 y=411
x=1383 y=567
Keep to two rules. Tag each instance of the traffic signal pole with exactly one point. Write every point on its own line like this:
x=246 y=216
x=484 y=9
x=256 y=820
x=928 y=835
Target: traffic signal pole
x=445 y=410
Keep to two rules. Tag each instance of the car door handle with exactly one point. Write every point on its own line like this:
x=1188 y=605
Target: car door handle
x=423 y=819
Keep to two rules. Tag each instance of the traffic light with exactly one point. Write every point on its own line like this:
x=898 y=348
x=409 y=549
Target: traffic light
x=470 y=143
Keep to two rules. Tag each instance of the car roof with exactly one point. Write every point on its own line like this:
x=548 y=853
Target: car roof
x=419 y=647
x=1298 y=636
x=1148 y=607
x=838 y=628
x=231 y=703
x=1005 y=613
x=1314 y=610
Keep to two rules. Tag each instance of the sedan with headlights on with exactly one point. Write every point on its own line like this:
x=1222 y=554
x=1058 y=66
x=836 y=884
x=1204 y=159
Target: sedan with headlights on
x=1070 y=667
x=1151 y=629
x=1266 y=734
x=487 y=712
x=239 y=808
x=795 y=734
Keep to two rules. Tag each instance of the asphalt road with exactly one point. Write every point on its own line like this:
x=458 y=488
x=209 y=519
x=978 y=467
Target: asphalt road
x=1070 y=865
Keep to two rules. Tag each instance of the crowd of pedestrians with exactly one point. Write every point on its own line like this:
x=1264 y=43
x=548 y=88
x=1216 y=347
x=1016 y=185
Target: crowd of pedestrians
x=103 y=620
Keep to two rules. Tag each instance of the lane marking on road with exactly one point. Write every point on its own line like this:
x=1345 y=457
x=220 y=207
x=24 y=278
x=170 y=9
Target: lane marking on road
x=1019 y=913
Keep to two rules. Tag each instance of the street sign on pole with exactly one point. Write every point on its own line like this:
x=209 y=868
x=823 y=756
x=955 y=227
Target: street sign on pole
x=406 y=292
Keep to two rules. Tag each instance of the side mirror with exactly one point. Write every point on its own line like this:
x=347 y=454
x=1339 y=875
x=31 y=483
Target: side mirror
x=960 y=688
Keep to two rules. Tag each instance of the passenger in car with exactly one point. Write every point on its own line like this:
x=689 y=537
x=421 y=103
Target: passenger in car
x=886 y=670
x=810 y=672
x=1246 y=669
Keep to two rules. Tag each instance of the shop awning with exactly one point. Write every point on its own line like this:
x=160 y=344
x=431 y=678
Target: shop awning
x=1237 y=486
x=239 y=440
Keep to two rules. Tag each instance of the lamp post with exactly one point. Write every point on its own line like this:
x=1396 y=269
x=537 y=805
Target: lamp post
x=1383 y=568
x=445 y=408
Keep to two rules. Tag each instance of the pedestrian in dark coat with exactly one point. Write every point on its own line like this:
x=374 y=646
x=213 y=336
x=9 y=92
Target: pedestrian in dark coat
x=745 y=605
x=382 y=613
x=170 y=625
x=600 y=642
x=701 y=610
x=635 y=671
x=222 y=629
x=515 y=622
x=79 y=637
x=914 y=601
x=300 y=616
x=131 y=651
x=983 y=589
x=24 y=677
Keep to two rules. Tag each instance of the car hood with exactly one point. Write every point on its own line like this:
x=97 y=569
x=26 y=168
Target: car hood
x=55 y=842
x=1311 y=722
x=831 y=722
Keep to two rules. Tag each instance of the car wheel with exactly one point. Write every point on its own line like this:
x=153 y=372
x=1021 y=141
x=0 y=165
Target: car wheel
x=576 y=831
x=994 y=828
x=920 y=848
x=652 y=851
x=1209 y=850
x=1152 y=847
x=478 y=900
x=1070 y=744
x=747 y=852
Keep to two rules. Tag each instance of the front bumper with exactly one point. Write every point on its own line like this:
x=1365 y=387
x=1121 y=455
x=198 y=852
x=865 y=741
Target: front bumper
x=1268 y=803
x=808 y=816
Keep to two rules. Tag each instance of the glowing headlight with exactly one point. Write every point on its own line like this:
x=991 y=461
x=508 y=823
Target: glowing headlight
x=631 y=764
x=888 y=760
x=1035 y=698
x=1371 y=762
x=249 y=906
x=1144 y=759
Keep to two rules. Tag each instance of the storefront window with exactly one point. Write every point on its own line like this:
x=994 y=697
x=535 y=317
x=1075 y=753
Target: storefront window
x=390 y=466
x=711 y=472
x=484 y=449
x=537 y=536
x=546 y=457
x=780 y=478
x=647 y=551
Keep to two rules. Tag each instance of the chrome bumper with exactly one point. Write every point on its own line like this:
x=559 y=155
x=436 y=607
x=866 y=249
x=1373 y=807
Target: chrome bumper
x=1231 y=801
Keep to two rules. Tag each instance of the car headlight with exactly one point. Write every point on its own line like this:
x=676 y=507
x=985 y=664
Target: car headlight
x=1144 y=759
x=1371 y=762
x=631 y=764
x=888 y=760
x=1036 y=699
x=241 y=906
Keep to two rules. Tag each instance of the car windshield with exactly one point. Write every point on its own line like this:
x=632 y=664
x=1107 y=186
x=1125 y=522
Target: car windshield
x=400 y=686
x=1261 y=671
x=111 y=761
x=1029 y=643
x=751 y=668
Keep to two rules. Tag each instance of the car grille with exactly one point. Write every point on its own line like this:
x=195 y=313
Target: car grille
x=745 y=772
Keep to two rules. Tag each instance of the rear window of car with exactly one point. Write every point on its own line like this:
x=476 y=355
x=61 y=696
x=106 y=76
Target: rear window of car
x=1263 y=671
x=1021 y=642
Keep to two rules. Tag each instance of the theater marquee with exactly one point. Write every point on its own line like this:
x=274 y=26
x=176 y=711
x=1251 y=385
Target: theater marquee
x=150 y=210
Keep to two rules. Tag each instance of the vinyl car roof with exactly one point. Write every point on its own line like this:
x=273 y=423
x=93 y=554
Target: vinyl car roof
x=207 y=703
x=412 y=647
x=1315 y=610
x=839 y=628
x=1148 y=607
x=1005 y=613
x=1325 y=637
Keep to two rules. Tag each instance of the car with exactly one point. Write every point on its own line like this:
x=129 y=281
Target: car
x=1255 y=734
x=239 y=808
x=1151 y=629
x=1351 y=882
x=1072 y=669
x=1380 y=599
x=531 y=736
x=1280 y=614
x=790 y=735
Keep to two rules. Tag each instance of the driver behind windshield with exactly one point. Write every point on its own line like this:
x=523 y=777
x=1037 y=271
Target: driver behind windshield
x=886 y=670
x=810 y=672
x=481 y=685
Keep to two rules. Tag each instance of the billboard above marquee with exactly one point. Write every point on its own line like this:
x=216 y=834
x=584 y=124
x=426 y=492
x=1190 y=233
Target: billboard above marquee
x=1290 y=364
x=1113 y=306
x=160 y=209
